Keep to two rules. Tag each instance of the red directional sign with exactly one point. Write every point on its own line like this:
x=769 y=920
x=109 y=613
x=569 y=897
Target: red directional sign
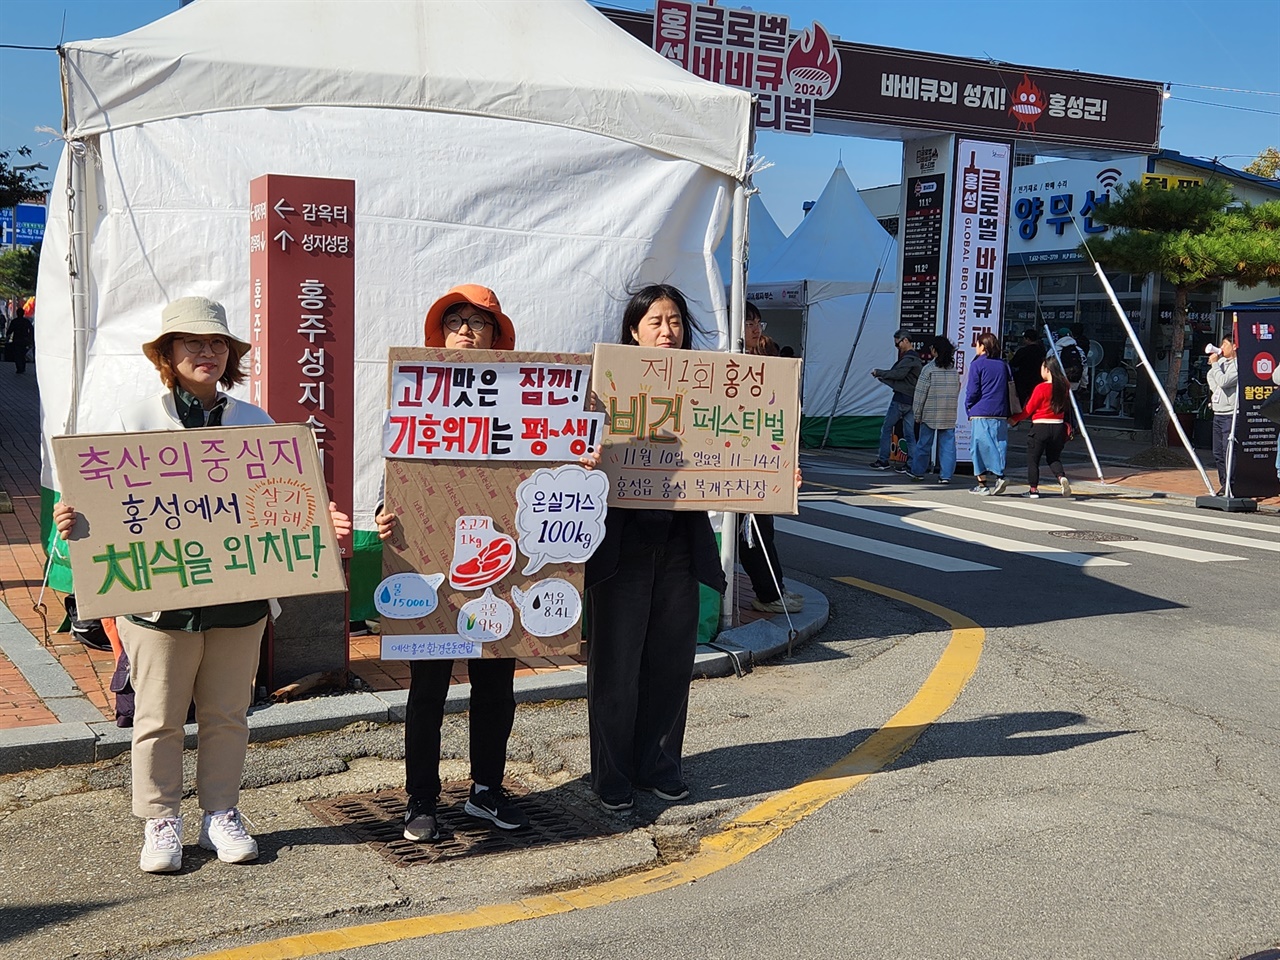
x=302 y=298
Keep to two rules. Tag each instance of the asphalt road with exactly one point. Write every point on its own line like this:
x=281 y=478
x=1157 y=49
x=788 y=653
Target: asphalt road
x=1105 y=785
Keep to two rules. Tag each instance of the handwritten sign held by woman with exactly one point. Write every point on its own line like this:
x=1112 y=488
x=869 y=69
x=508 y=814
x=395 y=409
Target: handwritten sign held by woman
x=698 y=430
x=223 y=514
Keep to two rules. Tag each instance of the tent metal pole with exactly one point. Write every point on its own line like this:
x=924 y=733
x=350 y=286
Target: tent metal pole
x=77 y=267
x=875 y=282
x=1151 y=374
x=737 y=319
x=1084 y=432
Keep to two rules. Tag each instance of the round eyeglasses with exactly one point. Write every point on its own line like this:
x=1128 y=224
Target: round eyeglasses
x=194 y=345
x=475 y=323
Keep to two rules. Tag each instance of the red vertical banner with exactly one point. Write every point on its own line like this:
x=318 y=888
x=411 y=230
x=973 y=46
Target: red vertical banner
x=302 y=281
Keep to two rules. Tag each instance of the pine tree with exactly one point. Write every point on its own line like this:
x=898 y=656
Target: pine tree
x=17 y=186
x=1193 y=239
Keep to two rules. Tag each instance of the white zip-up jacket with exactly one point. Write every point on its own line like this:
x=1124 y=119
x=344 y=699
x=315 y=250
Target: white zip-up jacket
x=161 y=413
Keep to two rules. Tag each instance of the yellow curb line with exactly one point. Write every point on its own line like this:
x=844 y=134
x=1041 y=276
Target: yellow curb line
x=743 y=836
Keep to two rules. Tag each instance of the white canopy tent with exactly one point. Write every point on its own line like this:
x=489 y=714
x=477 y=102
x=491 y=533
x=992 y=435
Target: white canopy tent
x=764 y=236
x=534 y=148
x=813 y=291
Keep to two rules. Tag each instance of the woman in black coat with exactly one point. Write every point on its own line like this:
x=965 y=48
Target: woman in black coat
x=643 y=597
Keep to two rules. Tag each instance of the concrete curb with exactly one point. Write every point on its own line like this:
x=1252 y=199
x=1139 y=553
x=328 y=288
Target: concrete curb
x=83 y=736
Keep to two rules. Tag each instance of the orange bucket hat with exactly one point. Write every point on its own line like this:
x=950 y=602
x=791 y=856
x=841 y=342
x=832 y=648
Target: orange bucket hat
x=482 y=298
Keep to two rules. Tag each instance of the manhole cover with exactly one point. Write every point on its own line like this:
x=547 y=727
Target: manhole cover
x=1101 y=536
x=378 y=820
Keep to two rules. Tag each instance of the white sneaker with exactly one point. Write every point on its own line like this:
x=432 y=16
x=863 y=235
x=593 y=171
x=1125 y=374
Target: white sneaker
x=1065 y=484
x=1001 y=486
x=783 y=604
x=222 y=831
x=161 y=845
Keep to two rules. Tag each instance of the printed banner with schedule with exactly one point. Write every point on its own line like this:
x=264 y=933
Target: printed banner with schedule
x=222 y=514
x=486 y=558
x=698 y=430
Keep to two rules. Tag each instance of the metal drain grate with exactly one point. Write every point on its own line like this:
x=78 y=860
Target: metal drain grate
x=1100 y=536
x=378 y=820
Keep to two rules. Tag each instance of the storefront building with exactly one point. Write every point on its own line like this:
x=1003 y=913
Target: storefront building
x=1047 y=281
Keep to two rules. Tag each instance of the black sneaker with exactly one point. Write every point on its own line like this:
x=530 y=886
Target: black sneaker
x=671 y=792
x=420 y=822
x=880 y=465
x=617 y=804
x=494 y=805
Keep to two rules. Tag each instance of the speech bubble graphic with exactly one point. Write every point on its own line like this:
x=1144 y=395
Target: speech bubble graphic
x=407 y=596
x=481 y=555
x=560 y=515
x=549 y=607
x=485 y=618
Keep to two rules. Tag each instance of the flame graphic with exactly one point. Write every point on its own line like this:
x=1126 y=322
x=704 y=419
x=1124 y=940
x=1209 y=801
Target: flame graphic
x=1028 y=104
x=813 y=64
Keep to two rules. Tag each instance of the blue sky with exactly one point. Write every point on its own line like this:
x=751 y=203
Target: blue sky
x=1191 y=44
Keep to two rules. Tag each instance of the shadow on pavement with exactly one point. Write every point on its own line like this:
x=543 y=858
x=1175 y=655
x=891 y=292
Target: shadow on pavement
x=751 y=768
x=17 y=922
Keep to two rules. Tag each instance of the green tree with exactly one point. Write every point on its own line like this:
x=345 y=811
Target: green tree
x=17 y=186
x=1194 y=237
x=18 y=272
x=1267 y=165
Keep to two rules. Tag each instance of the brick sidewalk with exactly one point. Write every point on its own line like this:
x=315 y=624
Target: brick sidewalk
x=22 y=571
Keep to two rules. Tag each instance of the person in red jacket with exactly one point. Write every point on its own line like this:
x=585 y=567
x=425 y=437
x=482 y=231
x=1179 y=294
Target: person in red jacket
x=1047 y=411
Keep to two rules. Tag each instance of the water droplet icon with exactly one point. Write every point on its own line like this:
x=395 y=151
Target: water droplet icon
x=537 y=602
x=386 y=595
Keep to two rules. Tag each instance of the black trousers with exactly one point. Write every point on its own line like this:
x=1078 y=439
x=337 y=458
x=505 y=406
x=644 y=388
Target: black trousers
x=644 y=634
x=1221 y=441
x=753 y=558
x=1047 y=439
x=492 y=712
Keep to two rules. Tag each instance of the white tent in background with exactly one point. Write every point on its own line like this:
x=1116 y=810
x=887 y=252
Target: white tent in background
x=534 y=148
x=812 y=293
x=764 y=236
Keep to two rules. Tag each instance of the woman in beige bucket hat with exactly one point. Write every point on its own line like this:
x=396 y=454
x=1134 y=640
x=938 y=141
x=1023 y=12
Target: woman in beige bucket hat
x=209 y=654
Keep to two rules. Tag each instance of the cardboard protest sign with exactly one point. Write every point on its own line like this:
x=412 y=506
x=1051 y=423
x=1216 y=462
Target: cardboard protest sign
x=174 y=519
x=699 y=430
x=494 y=525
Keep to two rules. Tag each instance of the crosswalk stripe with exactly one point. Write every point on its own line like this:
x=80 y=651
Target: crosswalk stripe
x=1035 y=550
x=1206 y=517
x=1141 y=546
x=879 y=548
x=1079 y=514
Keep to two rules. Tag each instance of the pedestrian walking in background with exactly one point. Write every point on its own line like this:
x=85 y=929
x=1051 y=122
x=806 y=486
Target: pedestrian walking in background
x=1047 y=411
x=902 y=378
x=935 y=407
x=758 y=554
x=986 y=402
x=206 y=654
x=1026 y=364
x=18 y=342
x=1223 y=379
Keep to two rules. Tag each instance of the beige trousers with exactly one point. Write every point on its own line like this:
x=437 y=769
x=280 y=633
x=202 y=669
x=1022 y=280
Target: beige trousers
x=169 y=669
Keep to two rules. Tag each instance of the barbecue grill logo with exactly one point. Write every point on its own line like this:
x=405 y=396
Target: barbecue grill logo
x=813 y=64
x=1028 y=104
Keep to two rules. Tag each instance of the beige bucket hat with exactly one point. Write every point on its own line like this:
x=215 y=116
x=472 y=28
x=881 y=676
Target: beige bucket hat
x=200 y=317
